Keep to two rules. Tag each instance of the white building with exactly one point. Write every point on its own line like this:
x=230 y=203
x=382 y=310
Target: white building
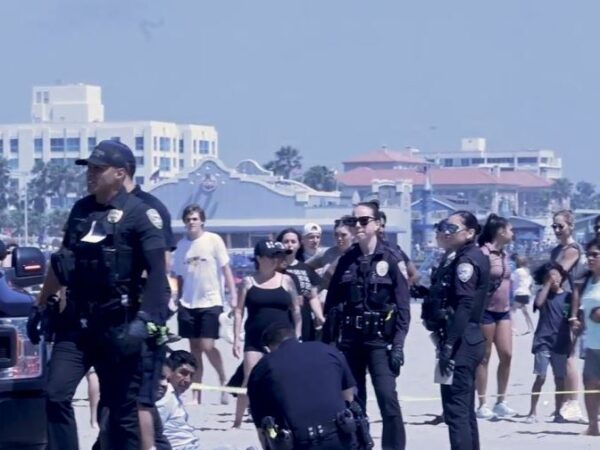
x=473 y=153
x=68 y=122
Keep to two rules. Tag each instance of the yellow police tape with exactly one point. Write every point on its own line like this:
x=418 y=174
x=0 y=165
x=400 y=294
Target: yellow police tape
x=237 y=390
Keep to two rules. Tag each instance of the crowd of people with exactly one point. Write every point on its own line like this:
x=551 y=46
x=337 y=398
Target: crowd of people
x=351 y=302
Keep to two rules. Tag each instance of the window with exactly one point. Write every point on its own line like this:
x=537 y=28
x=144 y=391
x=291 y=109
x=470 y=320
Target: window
x=447 y=162
x=72 y=144
x=181 y=164
x=38 y=97
x=527 y=160
x=194 y=142
x=180 y=145
x=464 y=162
x=1 y=145
x=139 y=180
x=57 y=145
x=14 y=146
x=165 y=144
x=46 y=95
x=38 y=145
x=115 y=138
x=174 y=145
x=212 y=148
x=500 y=160
x=165 y=164
x=91 y=143
x=154 y=143
x=203 y=147
x=477 y=160
x=544 y=160
x=139 y=161
x=139 y=143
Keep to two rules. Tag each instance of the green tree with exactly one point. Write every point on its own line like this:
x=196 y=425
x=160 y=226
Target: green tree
x=584 y=195
x=320 y=178
x=8 y=187
x=287 y=162
x=561 y=191
x=55 y=180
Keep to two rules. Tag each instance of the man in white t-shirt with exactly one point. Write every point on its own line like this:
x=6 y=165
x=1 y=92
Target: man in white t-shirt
x=201 y=263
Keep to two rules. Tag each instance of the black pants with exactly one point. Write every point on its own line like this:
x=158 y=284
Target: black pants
x=332 y=442
x=68 y=365
x=361 y=357
x=458 y=399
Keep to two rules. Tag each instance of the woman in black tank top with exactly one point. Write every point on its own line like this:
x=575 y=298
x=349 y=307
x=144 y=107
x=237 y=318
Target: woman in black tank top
x=270 y=297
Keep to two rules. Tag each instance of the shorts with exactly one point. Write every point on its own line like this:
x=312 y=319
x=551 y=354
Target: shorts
x=490 y=317
x=591 y=367
x=522 y=299
x=544 y=358
x=199 y=322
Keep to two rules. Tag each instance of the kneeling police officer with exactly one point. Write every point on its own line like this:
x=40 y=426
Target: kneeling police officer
x=452 y=311
x=111 y=238
x=301 y=396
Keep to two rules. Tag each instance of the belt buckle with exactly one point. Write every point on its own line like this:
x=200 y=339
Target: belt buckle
x=359 y=322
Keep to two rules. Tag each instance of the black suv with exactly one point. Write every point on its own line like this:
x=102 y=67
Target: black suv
x=22 y=364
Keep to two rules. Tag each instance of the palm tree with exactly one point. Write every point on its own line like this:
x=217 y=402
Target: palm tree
x=320 y=178
x=561 y=192
x=287 y=162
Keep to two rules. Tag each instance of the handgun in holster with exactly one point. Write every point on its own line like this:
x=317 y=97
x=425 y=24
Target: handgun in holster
x=50 y=317
x=276 y=438
x=363 y=435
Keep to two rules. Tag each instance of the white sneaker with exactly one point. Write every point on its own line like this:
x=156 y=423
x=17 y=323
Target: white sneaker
x=484 y=412
x=571 y=411
x=501 y=410
x=531 y=419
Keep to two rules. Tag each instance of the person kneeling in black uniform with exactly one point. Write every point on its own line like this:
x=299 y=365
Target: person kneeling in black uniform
x=453 y=311
x=301 y=396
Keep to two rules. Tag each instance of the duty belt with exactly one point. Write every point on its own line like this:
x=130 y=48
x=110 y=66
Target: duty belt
x=369 y=323
x=315 y=432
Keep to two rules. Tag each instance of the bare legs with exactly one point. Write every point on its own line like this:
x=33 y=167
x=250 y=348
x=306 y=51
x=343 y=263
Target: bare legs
x=250 y=360
x=499 y=334
x=199 y=346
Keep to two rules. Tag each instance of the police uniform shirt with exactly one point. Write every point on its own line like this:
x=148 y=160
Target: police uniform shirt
x=139 y=229
x=299 y=384
x=469 y=293
x=384 y=268
x=159 y=206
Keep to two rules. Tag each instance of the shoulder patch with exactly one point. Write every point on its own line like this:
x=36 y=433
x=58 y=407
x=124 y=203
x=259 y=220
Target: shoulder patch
x=403 y=269
x=154 y=218
x=464 y=272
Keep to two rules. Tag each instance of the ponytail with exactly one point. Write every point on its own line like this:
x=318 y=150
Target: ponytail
x=493 y=224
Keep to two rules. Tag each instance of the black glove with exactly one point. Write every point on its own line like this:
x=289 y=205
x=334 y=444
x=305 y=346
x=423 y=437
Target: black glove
x=446 y=363
x=396 y=359
x=33 y=325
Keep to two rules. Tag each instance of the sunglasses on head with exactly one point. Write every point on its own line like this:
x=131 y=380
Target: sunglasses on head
x=363 y=221
x=558 y=226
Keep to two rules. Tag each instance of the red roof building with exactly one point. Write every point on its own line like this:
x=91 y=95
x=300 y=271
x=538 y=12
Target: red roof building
x=386 y=159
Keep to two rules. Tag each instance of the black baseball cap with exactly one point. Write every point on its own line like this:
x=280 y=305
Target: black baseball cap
x=111 y=153
x=270 y=249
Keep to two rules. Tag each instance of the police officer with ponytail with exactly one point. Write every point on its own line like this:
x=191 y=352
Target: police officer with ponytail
x=368 y=314
x=453 y=312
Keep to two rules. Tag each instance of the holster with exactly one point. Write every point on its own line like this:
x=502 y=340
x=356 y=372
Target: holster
x=332 y=326
x=63 y=265
x=276 y=438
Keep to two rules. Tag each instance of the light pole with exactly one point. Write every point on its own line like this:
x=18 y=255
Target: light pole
x=26 y=178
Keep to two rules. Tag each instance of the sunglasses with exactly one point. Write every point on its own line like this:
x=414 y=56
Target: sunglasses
x=448 y=228
x=557 y=226
x=363 y=221
x=592 y=255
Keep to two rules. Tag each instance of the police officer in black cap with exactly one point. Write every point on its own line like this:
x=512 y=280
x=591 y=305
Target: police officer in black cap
x=111 y=237
x=301 y=396
x=368 y=315
x=453 y=311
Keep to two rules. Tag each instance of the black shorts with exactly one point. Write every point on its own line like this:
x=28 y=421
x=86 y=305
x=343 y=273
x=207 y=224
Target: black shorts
x=490 y=317
x=199 y=322
x=522 y=299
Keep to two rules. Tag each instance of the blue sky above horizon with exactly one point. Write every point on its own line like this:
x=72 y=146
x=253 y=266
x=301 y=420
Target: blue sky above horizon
x=333 y=78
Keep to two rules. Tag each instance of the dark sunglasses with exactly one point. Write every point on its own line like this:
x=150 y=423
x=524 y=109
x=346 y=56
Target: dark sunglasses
x=557 y=226
x=448 y=228
x=363 y=221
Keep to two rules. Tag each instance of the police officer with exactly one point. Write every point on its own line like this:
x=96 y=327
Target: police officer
x=368 y=315
x=453 y=311
x=111 y=237
x=298 y=395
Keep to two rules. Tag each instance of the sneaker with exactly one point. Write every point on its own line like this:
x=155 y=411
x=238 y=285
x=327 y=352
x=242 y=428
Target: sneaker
x=531 y=419
x=484 y=412
x=571 y=411
x=558 y=418
x=501 y=410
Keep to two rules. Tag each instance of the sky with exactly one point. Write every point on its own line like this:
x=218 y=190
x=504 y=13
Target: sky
x=333 y=78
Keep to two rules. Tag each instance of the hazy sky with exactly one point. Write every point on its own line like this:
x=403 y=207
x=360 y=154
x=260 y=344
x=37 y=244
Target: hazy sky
x=332 y=77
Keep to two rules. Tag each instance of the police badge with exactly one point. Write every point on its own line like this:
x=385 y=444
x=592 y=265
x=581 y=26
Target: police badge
x=114 y=215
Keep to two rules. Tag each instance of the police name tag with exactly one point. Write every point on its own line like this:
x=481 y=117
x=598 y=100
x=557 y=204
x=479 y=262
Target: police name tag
x=464 y=272
x=154 y=218
x=382 y=268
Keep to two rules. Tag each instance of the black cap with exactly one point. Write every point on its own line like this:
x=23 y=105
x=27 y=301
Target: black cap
x=270 y=249
x=111 y=153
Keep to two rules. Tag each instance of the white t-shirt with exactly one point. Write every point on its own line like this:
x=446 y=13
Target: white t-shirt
x=199 y=263
x=522 y=281
x=174 y=417
x=590 y=300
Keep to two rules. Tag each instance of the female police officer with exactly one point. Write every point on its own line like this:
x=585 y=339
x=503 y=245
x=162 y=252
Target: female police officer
x=368 y=308
x=456 y=304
